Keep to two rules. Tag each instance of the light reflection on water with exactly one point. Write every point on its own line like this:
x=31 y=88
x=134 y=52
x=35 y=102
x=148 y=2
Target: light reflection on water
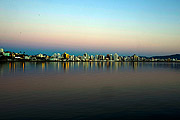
x=12 y=67
x=89 y=90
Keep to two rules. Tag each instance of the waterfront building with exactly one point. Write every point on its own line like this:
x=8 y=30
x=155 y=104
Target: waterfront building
x=135 y=57
x=33 y=58
x=11 y=56
x=6 y=54
x=53 y=59
x=86 y=57
x=107 y=57
x=96 y=57
x=66 y=56
x=40 y=55
x=58 y=55
x=110 y=57
x=101 y=57
x=47 y=57
x=77 y=59
x=124 y=59
x=116 y=57
x=54 y=55
x=71 y=58
x=152 y=59
x=1 y=50
x=92 y=57
x=120 y=58
x=26 y=57
x=128 y=58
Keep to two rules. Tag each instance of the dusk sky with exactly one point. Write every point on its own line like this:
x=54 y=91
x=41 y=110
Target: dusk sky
x=144 y=27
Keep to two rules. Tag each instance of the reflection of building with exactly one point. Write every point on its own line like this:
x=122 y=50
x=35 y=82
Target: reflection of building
x=135 y=65
x=85 y=65
x=107 y=65
x=65 y=65
x=43 y=66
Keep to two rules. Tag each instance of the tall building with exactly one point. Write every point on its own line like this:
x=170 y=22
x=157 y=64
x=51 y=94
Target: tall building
x=58 y=55
x=116 y=57
x=101 y=57
x=71 y=58
x=120 y=58
x=135 y=57
x=54 y=55
x=66 y=56
x=86 y=56
x=96 y=57
x=92 y=57
x=110 y=57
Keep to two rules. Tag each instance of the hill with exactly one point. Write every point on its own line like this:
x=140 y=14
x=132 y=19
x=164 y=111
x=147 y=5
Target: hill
x=168 y=56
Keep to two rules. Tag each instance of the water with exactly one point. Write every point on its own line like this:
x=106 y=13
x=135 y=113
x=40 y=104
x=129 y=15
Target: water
x=83 y=90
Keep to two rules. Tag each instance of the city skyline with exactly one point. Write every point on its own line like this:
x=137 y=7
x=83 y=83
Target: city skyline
x=68 y=57
x=126 y=27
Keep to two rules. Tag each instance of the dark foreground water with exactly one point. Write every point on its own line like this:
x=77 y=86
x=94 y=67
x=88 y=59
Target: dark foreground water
x=72 y=90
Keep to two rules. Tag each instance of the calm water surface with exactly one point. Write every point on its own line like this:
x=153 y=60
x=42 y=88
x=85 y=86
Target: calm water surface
x=84 y=90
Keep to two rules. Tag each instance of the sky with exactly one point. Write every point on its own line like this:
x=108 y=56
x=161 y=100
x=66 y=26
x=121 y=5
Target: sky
x=144 y=27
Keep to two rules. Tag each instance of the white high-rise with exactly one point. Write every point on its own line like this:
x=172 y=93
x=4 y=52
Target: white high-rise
x=58 y=55
x=115 y=57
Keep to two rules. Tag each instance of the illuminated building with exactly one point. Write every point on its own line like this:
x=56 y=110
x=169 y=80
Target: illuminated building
x=110 y=57
x=66 y=56
x=92 y=57
x=101 y=57
x=71 y=58
x=135 y=57
x=86 y=57
x=6 y=54
x=107 y=57
x=40 y=55
x=96 y=57
x=58 y=55
x=54 y=55
x=1 y=50
x=116 y=57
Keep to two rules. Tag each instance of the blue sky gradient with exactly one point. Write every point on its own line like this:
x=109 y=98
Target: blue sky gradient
x=145 y=27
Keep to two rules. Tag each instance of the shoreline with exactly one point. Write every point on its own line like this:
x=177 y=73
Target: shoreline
x=100 y=61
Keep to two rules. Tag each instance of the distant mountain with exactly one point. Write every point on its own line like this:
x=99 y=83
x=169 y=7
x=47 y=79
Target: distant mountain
x=168 y=56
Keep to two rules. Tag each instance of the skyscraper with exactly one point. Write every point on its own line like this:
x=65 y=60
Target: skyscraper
x=110 y=56
x=115 y=57
x=66 y=56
